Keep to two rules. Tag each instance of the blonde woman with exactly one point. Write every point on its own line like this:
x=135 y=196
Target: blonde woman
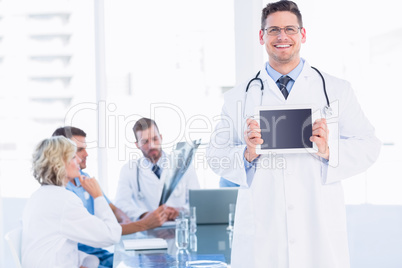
x=54 y=220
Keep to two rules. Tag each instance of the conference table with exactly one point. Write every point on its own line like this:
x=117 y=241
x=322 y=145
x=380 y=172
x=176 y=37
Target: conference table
x=213 y=244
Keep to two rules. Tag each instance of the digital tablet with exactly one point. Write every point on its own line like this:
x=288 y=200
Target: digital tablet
x=285 y=129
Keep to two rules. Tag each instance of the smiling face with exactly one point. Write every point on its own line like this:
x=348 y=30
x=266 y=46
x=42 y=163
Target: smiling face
x=283 y=50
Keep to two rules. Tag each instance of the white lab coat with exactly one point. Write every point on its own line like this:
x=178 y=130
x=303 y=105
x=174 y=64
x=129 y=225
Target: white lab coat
x=291 y=212
x=54 y=221
x=127 y=195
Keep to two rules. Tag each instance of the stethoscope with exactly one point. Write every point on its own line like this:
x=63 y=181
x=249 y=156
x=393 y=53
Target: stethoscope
x=327 y=108
x=140 y=194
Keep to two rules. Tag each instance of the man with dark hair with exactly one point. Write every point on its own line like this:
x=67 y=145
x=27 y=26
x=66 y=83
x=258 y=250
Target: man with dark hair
x=69 y=132
x=153 y=152
x=154 y=219
x=141 y=181
x=291 y=214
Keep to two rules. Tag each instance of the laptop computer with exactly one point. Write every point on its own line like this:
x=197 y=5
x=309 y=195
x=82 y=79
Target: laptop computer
x=212 y=205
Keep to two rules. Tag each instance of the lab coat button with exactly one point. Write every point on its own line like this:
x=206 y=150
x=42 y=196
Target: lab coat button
x=292 y=241
x=290 y=207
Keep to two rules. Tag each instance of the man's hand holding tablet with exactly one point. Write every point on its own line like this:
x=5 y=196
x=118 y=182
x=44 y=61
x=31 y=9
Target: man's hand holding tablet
x=286 y=130
x=320 y=137
x=252 y=136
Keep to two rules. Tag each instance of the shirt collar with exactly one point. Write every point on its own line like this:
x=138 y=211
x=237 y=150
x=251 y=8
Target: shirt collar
x=77 y=180
x=293 y=74
x=160 y=162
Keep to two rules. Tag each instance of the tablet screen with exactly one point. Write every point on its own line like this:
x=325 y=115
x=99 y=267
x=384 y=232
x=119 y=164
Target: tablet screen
x=286 y=129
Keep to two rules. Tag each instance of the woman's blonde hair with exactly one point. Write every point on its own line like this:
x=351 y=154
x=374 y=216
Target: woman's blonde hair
x=50 y=158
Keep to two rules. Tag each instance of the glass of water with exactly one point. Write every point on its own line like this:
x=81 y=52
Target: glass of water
x=193 y=229
x=182 y=240
x=193 y=220
x=182 y=233
x=232 y=210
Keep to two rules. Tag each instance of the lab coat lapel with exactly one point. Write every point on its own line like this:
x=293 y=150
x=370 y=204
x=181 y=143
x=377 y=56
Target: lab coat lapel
x=302 y=89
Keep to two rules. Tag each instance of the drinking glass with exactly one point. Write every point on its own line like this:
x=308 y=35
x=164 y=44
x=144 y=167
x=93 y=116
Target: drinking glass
x=232 y=210
x=181 y=233
x=193 y=220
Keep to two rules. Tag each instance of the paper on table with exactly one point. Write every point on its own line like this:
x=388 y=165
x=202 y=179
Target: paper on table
x=169 y=224
x=143 y=244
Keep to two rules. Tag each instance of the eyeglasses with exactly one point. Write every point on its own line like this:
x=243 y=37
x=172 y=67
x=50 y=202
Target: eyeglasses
x=289 y=30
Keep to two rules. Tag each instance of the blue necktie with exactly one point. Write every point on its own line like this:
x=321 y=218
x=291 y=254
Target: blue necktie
x=157 y=170
x=282 y=83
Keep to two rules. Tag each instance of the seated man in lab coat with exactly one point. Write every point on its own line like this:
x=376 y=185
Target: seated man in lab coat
x=154 y=219
x=141 y=181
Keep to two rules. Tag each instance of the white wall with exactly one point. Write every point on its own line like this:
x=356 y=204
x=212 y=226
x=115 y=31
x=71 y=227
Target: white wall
x=12 y=212
x=375 y=236
x=249 y=52
x=1 y=233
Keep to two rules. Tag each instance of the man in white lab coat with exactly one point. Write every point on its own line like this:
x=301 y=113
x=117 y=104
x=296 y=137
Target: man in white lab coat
x=290 y=208
x=141 y=181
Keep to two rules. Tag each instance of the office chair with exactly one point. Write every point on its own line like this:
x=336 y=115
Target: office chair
x=13 y=238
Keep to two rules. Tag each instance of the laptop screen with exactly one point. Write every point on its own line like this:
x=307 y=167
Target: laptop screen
x=212 y=205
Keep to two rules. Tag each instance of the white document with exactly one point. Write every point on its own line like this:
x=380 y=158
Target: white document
x=144 y=244
x=169 y=224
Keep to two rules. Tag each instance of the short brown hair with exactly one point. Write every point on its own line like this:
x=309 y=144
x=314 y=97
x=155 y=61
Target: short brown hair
x=69 y=132
x=50 y=158
x=143 y=124
x=283 y=5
